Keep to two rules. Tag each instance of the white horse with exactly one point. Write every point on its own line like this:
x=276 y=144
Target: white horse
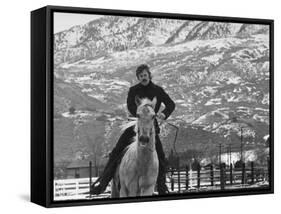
x=137 y=172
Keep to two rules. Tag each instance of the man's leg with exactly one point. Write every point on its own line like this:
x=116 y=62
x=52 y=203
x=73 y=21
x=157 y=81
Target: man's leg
x=115 y=156
x=161 y=180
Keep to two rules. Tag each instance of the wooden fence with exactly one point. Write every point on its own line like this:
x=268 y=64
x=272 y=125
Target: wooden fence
x=186 y=179
x=178 y=180
x=69 y=189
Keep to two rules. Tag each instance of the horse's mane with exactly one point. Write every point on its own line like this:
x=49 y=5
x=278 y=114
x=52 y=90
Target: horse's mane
x=133 y=122
x=133 y=145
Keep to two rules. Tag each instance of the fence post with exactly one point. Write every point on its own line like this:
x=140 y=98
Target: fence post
x=90 y=178
x=243 y=174
x=212 y=174
x=186 y=177
x=55 y=184
x=268 y=169
x=191 y=184
x=77 y=187
x=222 y=183
x=198 y=176
x=252 y=173
x=172 y=179
x=64 y=189
x=179 y=182
x=230 y=174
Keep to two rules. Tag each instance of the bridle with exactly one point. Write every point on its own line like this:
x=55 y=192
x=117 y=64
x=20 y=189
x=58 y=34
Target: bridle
x=153 y=118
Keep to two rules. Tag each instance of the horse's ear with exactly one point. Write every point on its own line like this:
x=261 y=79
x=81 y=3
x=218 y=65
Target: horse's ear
x=137 y=100
x=154 y=101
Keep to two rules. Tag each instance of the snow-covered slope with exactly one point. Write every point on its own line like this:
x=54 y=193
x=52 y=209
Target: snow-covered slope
x=209 y=69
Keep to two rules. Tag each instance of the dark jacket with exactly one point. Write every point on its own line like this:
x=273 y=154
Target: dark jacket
x=150 y=91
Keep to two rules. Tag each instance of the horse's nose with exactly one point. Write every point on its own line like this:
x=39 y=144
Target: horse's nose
x=145 y=111
x=144 y=139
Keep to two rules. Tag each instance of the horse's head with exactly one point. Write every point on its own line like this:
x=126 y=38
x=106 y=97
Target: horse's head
x=146 y=116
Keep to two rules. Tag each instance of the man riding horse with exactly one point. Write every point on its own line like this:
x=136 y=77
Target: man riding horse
x=144 y=89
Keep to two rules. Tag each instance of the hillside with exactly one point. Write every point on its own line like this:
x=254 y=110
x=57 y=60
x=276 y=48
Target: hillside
x=211 y=70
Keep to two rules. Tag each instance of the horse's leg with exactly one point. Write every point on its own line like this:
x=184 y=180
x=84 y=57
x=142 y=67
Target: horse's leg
x=114 y=189
x=132 y=189
x=123 y=191
x=147 y=191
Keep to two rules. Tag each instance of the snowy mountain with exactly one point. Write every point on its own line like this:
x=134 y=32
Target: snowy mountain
x=111 y=34
x=209 y=69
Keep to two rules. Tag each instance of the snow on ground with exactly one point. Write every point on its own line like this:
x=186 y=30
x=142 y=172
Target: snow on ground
x=201 y=120
x=185 y=104
x=106 y=85
x=261 y=118
x=216 y=101
x=180 y=101
x=110 y=83
x=236 y=99
x=131 y=57
x=83 y=78
x=122 y=82
x=233 y=80
x=213 y=43
x=157 y=38
x=99 y=97
x=79 y=114
x=237 y=90
x=262 y=38
x=266 y=99
x=87 y=90
x=262 y=109
x=249 y=155
x=213 y=58
x=265 y=138
x=211 y=89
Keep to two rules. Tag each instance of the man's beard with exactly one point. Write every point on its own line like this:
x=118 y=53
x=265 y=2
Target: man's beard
x=145 y=81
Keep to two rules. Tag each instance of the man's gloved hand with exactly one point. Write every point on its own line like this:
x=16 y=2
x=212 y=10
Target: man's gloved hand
x=161 y=117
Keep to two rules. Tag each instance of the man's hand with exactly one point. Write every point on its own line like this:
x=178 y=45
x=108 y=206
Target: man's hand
x=161 y=116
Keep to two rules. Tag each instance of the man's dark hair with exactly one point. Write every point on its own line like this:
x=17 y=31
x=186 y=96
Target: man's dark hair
x=141 y=68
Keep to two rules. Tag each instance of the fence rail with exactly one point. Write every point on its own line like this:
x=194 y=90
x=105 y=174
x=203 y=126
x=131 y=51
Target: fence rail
x=69 y=189
x=178 y=180
x=185 y=179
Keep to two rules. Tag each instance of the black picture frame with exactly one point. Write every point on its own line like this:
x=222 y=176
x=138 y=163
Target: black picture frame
x=42 y=106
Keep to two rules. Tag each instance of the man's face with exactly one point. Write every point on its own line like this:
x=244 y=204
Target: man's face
x=143 y=77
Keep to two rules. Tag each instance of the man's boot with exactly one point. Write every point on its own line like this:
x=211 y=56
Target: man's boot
x=161 y=180
x=101 y=183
